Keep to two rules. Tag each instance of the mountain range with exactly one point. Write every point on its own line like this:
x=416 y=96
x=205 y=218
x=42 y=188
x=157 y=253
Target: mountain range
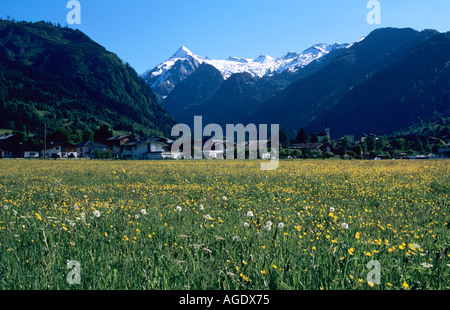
x=338 y=82
x=164 y=77
x=391 y=80
x=412 y=90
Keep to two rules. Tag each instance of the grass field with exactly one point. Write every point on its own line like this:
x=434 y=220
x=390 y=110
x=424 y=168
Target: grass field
x=224 y=225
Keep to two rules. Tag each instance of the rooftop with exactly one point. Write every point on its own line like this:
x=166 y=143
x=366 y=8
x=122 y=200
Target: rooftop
x=120 y=137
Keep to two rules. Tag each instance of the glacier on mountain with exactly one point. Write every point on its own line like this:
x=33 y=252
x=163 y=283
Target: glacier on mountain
x=185 y=62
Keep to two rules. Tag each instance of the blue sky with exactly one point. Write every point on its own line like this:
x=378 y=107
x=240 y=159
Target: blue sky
x=146 y=32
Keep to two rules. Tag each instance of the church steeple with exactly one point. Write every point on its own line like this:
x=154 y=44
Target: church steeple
x=327 y=129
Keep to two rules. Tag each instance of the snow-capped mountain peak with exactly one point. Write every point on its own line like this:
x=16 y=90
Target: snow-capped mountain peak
x=182 y=53
x=180 y=65
x=291 y=55
x=234 y=59
x=264 y=58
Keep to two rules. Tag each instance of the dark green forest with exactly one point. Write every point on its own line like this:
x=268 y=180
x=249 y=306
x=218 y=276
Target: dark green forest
x=60 y=77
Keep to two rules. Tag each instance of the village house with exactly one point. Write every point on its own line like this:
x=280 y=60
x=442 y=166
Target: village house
x=216 y=148
x=59 y=150
x=322 y=135
x=156 y=148
x=11 y=146
x=445 y=151
x=350 y=138
x=133 y=150
x=307 y=147
x=88 y=149
x=115 y=143
x=160 y=148
x=8 y=146
x=265 y=145
x=248 y=148
x=31 y=152
x=364 y=136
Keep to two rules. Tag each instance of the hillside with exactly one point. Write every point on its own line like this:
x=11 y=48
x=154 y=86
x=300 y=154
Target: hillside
x=304 y=100
x=227 y=91
x=205 y=93
x=414 y=89
x=223 y=101
x=59 y=76
x=329 y=85
x=193 y=91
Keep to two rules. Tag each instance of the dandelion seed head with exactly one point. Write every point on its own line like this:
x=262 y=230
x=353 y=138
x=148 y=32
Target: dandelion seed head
x=415 y=245
x=426 y=265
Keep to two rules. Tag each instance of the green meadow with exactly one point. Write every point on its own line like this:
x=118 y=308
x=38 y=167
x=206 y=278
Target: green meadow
x=224 y=225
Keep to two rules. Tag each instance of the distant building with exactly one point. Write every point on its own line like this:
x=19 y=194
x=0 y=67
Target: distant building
x=31 y=151
x=59 y=150
x=445 y=151
x=305 y=147
x=115 y=143
x=133 y=150
x=327 y=129
x=87 y=149
x=9 y=146
x=322 y=135
x=6 y=139
x=12 y=147
x=256 y=145
x=156 y=148
x=215 y=148
x=160 y=148
x=364 y=136
x=350 y=138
